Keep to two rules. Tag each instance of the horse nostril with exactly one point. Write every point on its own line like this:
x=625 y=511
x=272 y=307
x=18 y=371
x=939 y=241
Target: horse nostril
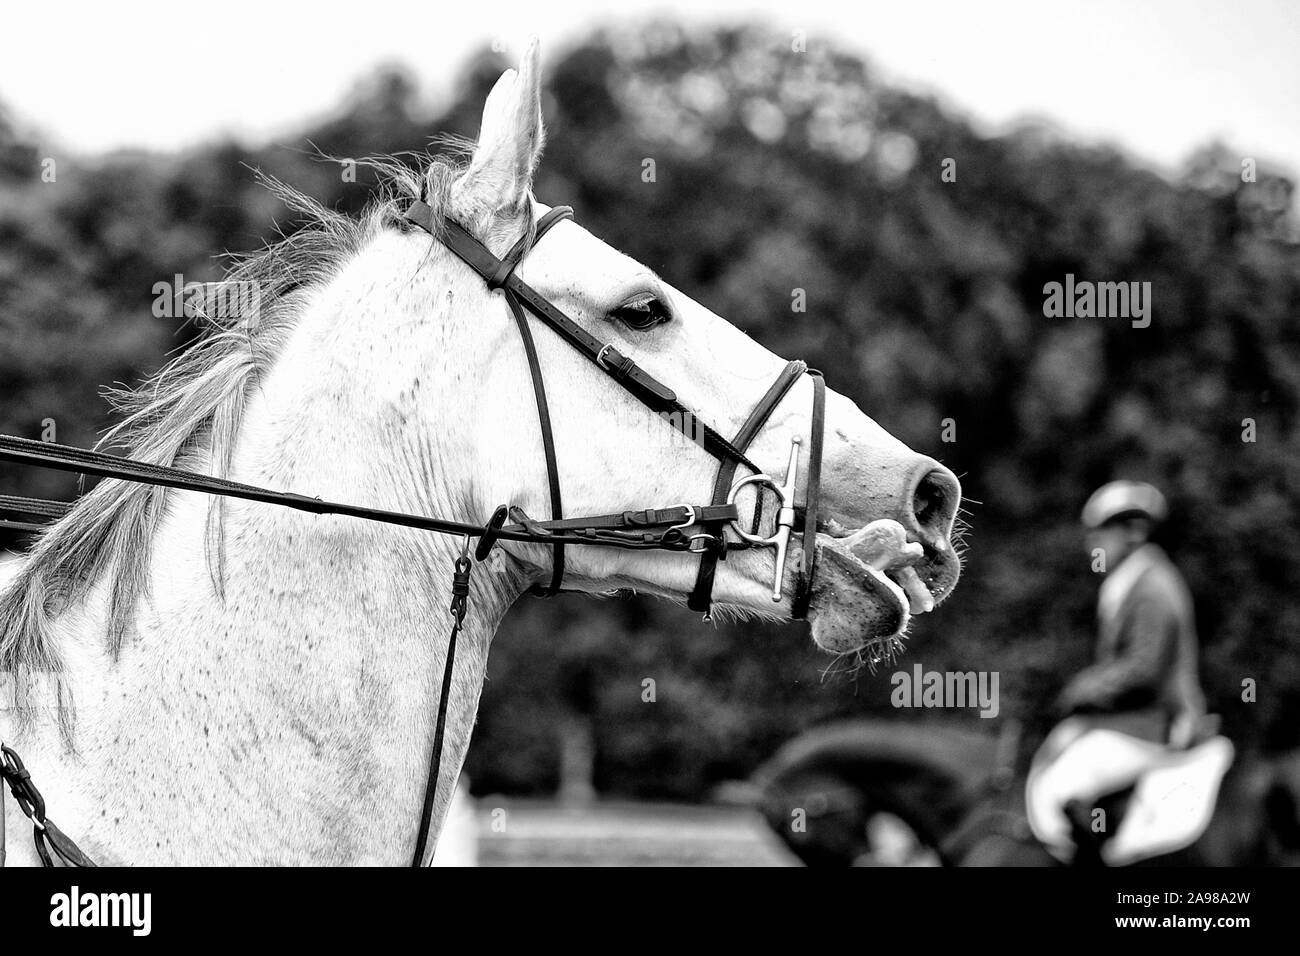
x=934 y=502
x=927 y=502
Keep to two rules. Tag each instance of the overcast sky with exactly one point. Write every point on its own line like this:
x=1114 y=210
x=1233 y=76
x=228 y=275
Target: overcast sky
x=1157 y=77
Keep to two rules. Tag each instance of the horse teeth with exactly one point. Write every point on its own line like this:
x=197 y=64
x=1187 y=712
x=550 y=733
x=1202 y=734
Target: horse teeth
x=918 y=595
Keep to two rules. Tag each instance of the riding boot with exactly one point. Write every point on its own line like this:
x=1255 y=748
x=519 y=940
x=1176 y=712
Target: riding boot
x=1087 y=843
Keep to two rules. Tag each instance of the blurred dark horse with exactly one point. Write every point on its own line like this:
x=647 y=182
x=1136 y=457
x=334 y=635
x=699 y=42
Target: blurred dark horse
x=877 y=791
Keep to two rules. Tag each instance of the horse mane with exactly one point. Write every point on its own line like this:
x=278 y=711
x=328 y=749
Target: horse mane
x=188 y=415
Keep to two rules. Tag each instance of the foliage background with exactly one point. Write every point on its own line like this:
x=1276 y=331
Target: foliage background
x=779 y=170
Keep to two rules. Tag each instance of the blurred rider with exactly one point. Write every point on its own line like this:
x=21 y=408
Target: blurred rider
x=1142 y=684
x=1144 y=679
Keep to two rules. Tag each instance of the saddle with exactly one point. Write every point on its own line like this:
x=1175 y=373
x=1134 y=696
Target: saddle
x=1097 y=795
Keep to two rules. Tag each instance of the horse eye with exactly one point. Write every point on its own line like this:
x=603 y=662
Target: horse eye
x=643 y=312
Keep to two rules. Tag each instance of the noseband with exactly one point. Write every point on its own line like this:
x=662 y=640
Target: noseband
x=694 y=529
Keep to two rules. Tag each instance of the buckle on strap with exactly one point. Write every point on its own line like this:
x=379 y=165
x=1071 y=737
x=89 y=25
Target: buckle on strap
x=619 y=365
x=624 y=370
x=779 y=539
x=19 y=781
x=711 y=541
x=689 y=520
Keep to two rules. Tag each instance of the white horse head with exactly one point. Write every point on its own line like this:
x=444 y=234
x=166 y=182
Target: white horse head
x=268 y=689
x=613 y=454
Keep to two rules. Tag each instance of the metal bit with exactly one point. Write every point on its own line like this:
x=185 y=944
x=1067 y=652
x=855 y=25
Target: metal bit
x=784 y=492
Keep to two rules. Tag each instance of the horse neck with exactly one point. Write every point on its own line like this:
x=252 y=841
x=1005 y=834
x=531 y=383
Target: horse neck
x=291 y=719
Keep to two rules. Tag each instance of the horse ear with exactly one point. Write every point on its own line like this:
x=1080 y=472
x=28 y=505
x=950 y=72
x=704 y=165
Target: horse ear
x=511 y=137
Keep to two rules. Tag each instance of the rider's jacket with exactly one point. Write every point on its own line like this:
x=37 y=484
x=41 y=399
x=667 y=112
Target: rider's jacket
x=1144 y=680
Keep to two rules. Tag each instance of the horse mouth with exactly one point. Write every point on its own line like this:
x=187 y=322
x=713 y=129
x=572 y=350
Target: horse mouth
x=867 y=589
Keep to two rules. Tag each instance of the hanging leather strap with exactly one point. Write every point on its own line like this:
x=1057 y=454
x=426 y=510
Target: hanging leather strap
x=49 y=839
x=458 y=607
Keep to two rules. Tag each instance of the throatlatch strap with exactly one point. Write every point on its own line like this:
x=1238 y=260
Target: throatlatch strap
x=548 y=440
x=498 y=280
x=808 y=541
x=702 y=596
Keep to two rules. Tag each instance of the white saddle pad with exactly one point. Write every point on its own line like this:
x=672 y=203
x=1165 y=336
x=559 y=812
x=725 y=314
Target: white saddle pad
x=1171 y=805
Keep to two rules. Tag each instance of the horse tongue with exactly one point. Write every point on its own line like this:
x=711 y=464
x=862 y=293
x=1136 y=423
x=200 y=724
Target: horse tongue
x=882 y=545
x=853 y=602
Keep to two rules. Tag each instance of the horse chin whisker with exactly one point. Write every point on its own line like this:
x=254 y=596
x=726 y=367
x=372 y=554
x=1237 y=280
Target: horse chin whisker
x=740 y=613
x=869 y=657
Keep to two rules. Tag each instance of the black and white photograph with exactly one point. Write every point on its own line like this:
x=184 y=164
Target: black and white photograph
x=664 y=435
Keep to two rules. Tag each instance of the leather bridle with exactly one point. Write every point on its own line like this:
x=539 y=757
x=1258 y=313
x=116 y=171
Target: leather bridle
x=695 y=529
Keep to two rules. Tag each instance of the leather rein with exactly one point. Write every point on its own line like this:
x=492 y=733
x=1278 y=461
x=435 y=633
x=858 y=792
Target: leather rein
x=665 y=529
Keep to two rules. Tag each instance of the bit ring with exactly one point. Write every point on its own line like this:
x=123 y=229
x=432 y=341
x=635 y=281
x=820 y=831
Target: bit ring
x=761 y=481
